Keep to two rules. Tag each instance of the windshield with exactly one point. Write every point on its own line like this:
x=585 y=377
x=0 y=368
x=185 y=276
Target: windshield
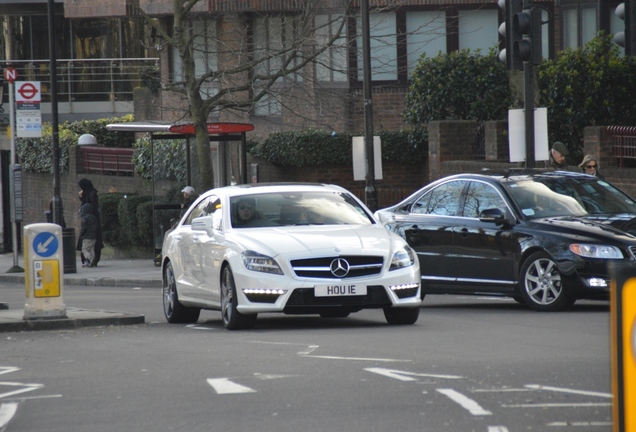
x=565 y=196
x=297 y=208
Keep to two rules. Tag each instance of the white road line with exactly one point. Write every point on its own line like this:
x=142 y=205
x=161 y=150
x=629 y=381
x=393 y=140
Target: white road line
x=497 y=429
x=7 y=411
x=358 y=358
x=198 y=327
x=308 y=350
x=562 y=424
x=8 y=369
x=400 y=375
x=27 y=388
x=565 y=390
x=465 y=402
x=501 y=390
x=558 y=405
x=225 y=386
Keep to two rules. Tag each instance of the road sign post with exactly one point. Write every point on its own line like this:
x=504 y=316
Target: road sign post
x=44 y=271
x=623 y=346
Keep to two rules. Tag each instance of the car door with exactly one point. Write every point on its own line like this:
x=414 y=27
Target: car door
x=189 y=245
x=209 y=250
x=482 y=251
x=428 y=229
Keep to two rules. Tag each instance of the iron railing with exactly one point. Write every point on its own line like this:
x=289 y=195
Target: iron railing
x=90 y=80
x=623 y=140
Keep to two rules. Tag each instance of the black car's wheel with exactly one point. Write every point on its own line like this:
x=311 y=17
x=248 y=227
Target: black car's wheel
x=401 y=316
x=174 y=311
x=232 y=318
x=542 y=285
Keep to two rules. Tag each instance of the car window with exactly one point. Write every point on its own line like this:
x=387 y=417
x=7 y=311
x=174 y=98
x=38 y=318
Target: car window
x=210 y=206
x=297 y=208
x=481 y=196
x=444 y=200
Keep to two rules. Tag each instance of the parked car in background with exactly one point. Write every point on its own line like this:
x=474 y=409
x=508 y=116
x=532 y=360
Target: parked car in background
x=290 y=248
x=544 y=238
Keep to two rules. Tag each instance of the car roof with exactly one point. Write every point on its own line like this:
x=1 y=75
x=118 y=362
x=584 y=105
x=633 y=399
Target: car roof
x=262 y=188
x=514 y=175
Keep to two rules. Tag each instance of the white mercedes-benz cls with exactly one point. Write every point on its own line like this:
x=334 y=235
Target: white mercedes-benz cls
x=290 y=248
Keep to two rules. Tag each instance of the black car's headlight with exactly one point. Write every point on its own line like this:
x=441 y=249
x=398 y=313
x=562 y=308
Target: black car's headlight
x=405 y=257
x=596 y=251
x=261 y=263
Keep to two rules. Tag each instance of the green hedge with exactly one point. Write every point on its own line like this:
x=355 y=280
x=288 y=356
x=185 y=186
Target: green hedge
x=317 y=147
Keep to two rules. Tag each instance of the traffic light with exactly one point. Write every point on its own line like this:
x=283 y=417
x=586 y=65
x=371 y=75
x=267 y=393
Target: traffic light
x=510 y=8
x=526 y=29
x=627 y=39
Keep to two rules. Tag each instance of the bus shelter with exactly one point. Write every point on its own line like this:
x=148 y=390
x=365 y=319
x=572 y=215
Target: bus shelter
x=219 y=134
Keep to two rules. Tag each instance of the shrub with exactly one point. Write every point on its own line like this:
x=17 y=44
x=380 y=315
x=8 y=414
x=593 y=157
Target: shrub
x=588 y=86
x=128 y=222
x=108 y=211
x=35 y=154
x=316 y=147
x=169 y=159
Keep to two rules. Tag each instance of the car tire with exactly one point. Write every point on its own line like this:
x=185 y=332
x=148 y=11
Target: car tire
x=232 y=318
x=541 y=284
x=401 y=316
x=173 y=309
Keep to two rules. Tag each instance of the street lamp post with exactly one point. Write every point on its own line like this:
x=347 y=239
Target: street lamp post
x=58 y=212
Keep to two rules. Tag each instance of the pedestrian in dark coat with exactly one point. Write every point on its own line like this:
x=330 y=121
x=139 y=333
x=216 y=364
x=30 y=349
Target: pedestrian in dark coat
x=88 y=195
x=88 y=235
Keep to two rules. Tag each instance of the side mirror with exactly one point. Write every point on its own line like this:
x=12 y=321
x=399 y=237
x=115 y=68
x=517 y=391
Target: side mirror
x=494 y=215
x=203 y=223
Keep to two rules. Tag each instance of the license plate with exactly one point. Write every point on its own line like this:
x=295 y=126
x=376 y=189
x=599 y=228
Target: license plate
x=339 y=290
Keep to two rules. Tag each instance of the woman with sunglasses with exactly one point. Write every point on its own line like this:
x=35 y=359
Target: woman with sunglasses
x=590 y=166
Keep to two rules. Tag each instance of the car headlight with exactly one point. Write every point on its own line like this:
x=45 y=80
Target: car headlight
x=405 y=257
x=596 y=251
x=260 y=263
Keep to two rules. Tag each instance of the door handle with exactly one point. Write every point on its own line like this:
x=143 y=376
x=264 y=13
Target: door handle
x=464 y=232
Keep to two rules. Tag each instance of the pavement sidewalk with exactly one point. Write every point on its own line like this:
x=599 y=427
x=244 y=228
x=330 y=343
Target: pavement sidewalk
x=118 y=272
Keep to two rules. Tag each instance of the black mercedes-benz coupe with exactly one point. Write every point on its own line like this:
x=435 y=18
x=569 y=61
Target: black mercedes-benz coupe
x=544 y=238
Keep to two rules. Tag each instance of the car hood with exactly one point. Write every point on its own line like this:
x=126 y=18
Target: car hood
x=319 y=240
x=620 y=225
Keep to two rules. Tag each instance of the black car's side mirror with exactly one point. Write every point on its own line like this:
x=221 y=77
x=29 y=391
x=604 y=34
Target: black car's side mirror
x=494 y=215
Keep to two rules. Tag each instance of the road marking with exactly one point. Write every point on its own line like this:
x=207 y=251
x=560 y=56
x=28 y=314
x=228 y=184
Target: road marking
x=562 y=424
x=400 y=375
x=8 y=369
x=564 y=390
x=225 y=386
x=497 y=429
x=7 y=411
x=501 y=390
x=558 y=405
x=358 y=359
x=308 y=350
x=465 y=402
x=27 y=388
x=198 y=327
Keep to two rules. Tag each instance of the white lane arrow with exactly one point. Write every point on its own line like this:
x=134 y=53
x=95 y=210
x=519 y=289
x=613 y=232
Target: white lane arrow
x=42 y=247
x=225 y=386
x=7 y=411
x=406 y=376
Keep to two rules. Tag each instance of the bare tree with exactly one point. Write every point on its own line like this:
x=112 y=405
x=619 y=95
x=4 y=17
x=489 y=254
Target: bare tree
x=232 y=68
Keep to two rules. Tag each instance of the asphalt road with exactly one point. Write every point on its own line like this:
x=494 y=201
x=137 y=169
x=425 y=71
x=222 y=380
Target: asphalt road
x=469 y=364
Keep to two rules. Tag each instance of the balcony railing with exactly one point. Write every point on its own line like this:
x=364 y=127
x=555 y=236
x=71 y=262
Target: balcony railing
x=92 y=80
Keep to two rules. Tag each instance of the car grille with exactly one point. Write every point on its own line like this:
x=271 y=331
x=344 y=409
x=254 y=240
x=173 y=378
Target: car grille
x=303 y=300
x=321 y=267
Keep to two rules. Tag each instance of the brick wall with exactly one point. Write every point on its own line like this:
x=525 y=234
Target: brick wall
x=448 y=141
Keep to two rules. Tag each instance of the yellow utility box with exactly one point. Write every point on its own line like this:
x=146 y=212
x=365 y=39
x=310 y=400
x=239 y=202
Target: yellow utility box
x=44 y=271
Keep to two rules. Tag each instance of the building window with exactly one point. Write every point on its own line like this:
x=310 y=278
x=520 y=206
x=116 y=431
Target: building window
x=580 y=25
x=478 y=29
x=331 y=64
x=204 y=48
x=383 y=40
x=425 y=34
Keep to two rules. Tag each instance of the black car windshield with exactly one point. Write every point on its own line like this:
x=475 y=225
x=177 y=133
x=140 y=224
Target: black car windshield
x=297 y=208
x=568 y=196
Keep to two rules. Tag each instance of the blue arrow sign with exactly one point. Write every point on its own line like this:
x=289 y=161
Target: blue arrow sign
x=45 y=244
